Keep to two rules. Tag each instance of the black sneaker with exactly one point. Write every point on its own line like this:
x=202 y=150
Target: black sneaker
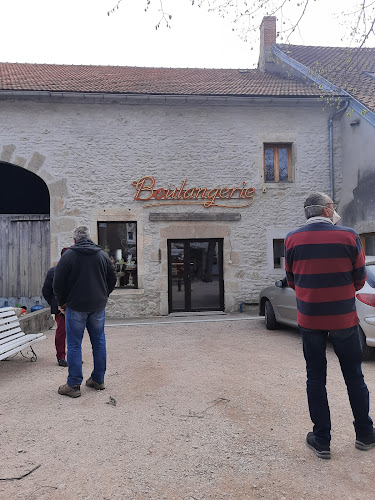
x=320 y=450
x=62 y=362
x=366 y=443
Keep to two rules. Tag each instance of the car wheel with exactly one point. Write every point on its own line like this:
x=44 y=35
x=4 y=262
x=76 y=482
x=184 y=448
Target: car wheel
x=367 y=351
x=271 y=323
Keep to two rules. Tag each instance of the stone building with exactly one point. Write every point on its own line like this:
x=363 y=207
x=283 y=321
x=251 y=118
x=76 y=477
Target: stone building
x=189 y=178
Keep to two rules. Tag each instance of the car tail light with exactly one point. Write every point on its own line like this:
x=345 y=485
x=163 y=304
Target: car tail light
x=367 y=298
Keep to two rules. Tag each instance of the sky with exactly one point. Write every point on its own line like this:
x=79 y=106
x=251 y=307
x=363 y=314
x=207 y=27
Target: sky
x=81 y=32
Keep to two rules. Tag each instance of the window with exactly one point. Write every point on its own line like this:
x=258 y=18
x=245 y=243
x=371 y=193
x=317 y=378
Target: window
x=278 y=163
x=119 y=240
x=368 y=243
x=278 y=254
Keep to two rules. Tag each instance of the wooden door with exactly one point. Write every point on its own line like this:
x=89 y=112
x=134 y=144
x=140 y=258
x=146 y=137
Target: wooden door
x=24 y=254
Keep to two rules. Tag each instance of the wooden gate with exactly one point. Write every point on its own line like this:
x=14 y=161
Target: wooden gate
x=24 y=254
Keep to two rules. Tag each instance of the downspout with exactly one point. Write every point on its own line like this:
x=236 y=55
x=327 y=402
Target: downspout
x=330 y=130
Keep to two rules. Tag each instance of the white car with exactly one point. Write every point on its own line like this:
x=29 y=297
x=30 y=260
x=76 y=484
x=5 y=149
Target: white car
x=278 y=304
x=365 y=304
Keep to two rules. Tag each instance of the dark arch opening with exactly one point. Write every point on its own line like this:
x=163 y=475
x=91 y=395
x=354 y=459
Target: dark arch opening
x=22 y=192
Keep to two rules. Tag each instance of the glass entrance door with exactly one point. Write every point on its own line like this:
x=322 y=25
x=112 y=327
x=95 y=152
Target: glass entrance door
x=195 y=272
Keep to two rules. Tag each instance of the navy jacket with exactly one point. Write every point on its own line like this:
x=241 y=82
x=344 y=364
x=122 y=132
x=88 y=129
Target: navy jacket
x=47 y=291
x=84 y=277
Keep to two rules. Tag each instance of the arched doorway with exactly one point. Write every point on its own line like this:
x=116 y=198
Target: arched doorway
x=25 y=235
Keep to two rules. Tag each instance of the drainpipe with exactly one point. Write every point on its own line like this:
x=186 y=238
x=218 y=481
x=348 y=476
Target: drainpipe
x=245 y=304
x=344 y=107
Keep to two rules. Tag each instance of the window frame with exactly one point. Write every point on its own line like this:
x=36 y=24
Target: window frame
x=363 y=237
x=276 y=146
x=276 y=242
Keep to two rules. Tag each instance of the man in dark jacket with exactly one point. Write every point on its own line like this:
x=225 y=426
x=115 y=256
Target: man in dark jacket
x=84 y=278
x=325 y=265
x=47 y=292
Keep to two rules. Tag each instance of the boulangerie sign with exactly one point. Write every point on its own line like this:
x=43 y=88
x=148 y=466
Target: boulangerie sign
x=227 y=197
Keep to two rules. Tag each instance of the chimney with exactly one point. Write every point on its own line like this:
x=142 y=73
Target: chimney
x=267 y=40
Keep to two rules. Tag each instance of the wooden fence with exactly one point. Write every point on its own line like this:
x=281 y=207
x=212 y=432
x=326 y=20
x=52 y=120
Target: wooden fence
x=24 y=254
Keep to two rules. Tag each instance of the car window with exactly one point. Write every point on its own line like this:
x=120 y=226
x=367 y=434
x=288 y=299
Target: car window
x=371 y=275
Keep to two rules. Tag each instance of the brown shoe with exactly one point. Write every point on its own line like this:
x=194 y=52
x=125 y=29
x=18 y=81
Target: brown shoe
x=67 y=390
x=95 y=385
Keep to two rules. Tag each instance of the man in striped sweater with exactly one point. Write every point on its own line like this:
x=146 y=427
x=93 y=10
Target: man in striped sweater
x=325 y=265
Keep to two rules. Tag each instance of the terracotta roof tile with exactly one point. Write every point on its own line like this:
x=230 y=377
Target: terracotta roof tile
x=157 y=81
x=348 y=69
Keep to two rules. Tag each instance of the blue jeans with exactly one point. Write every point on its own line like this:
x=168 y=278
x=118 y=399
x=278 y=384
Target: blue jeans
x=348 y=350
x=75 y=323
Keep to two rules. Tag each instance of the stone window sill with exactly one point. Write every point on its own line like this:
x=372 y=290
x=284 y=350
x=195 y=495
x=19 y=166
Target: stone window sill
x=279 y=185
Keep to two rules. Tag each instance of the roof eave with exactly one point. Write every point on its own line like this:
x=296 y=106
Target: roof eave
x=110 y=96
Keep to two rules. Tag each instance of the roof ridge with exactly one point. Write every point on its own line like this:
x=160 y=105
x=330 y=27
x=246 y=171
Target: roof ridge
x=65 y=65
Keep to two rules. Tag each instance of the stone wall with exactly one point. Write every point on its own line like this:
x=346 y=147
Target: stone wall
x=36 y=322
x=357 y=196
x=89 y=154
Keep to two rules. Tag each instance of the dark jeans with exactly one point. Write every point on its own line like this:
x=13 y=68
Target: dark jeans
x=348 y=350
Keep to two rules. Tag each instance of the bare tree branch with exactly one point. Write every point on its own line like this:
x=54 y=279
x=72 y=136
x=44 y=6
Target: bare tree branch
x=246 y=15
x=293 y=28
x=114 y=8
x=165 y=17
x=371 y=30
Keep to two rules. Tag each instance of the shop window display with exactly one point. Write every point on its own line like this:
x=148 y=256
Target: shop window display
x=119 y=240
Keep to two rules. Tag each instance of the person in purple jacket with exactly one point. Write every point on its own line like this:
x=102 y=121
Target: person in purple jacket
x=325 y=265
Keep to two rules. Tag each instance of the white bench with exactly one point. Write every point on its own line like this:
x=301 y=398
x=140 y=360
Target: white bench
x=12 y=339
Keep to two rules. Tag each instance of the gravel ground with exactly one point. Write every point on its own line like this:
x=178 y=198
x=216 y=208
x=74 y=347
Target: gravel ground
x=192 y=410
